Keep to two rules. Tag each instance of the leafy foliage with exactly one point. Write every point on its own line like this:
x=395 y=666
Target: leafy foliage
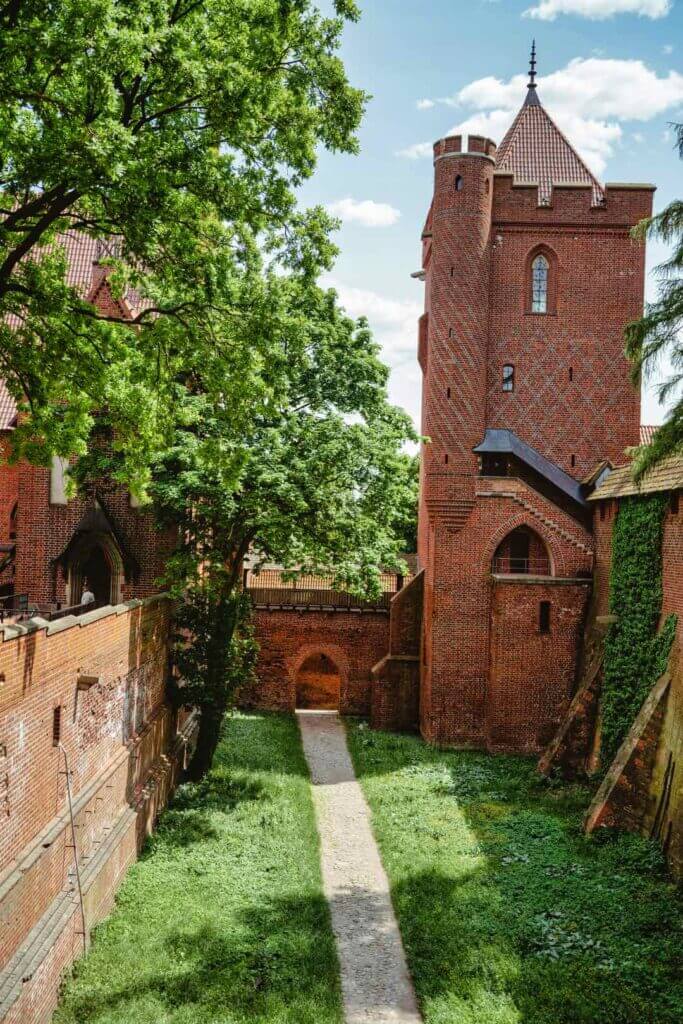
x=175 y=132
x=508 y=912
x=635 y=653
x=660 y=331
x=314 y=478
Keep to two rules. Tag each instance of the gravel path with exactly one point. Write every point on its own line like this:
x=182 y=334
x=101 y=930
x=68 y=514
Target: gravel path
x=376 y=985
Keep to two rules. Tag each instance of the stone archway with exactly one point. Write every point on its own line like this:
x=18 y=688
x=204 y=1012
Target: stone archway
x=318 y=684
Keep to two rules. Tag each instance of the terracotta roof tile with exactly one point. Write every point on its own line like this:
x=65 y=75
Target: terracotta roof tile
x=667 y=476
x=8 y=409
x=536 y=152
x=647 y=432
x=83 y=253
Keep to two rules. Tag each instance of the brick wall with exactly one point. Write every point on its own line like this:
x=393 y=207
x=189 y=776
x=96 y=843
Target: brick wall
x=353 y=642
x=44 y=530
x=124 y=751
x=533 y=674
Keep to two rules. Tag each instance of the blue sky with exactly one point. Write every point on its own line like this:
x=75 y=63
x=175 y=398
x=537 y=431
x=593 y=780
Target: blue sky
x=610 y=73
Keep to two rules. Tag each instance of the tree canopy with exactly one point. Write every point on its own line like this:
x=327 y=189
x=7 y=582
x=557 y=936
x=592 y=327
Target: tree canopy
x=659 y=332
x=175 y=131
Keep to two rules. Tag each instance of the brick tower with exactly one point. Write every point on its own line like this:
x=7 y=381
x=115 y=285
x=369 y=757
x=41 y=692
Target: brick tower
x=531 y=275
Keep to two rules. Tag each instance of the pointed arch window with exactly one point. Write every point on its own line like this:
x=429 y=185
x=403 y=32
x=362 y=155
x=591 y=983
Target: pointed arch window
x=540 y=272
x=540 y=285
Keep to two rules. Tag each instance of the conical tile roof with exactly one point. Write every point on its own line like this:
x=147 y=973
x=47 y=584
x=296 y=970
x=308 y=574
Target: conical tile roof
x=535 y=150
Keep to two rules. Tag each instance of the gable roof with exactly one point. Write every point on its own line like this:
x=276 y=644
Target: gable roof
x=535 y=151
x=667 y=476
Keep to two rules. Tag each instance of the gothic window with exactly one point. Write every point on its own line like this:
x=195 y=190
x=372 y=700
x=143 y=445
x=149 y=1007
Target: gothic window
x=539 y=284
x=508 y=377
x=459 y=183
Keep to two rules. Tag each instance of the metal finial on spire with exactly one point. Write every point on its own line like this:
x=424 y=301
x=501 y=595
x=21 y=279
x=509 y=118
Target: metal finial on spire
x=531 y=96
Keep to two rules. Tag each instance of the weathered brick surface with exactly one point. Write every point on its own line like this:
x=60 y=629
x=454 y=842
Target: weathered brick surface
x=395 y=704
x=121 y=742
x=352 y=641
x=572 y=401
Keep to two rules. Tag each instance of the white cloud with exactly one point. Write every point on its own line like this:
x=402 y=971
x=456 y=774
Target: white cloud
x=668 y=49
x=598 y=10
x=425 y=104
x=364 y=211
x=393 y=321
x=590 y=98
x=418 y=151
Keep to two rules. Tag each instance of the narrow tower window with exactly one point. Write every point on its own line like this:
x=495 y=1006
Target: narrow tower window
x=56 y=726
x=544 y=617
x=539 y=285
x=508 y=377
x=674 y=503
x=459 y=183
x=571 y=373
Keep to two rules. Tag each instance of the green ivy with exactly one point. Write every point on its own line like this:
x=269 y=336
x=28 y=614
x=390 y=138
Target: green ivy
x=636 y=654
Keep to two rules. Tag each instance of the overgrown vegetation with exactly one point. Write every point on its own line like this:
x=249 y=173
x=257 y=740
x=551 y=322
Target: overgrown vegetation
x=508 y=912
x=636 y=654
x=223 y=918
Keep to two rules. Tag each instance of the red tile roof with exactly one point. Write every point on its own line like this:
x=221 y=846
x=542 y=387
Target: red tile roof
x=535 y=151
x=83 y=254
x=8 y=409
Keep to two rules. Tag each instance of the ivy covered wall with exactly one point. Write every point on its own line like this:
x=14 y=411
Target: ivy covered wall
x=636 y=655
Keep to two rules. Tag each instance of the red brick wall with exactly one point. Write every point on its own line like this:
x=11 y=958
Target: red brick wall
x=353 y=641
x=532 y=674
x=476 y=248
x=457 y=703
x=600 y=283
x=120 y=739
x=44 y=530
x=9 y=494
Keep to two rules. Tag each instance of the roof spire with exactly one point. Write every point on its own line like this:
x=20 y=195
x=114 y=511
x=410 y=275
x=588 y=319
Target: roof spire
x=531 y=95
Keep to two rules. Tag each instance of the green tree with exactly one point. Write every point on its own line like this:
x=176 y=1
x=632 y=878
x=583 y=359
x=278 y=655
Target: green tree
x=315 y=481
x=660 y=331
x=176 y=132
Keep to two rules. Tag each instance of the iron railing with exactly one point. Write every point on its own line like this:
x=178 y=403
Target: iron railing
x=521 y=566
x=18 y=608
x=270 y=588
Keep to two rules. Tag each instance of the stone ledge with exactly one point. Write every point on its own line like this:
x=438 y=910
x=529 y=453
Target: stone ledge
x=542 y=581
x=36 y=624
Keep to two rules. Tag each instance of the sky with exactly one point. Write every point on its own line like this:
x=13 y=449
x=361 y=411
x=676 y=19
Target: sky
x=610 y=72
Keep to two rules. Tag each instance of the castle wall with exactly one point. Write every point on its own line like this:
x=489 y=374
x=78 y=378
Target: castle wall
x=352 y=640
x=104 y=676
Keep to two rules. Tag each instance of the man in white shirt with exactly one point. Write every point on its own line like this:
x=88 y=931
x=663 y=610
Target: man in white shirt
x=87 y=597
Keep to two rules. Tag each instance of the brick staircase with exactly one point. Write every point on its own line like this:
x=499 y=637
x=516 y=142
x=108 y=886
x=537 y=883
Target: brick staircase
x=551 y=524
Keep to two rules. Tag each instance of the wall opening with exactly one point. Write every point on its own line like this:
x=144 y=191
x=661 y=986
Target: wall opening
x=94 y=567
x=318 y=684
x=522 y=552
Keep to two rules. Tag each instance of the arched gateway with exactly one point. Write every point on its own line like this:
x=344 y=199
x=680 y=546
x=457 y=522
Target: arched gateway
x=318 y=684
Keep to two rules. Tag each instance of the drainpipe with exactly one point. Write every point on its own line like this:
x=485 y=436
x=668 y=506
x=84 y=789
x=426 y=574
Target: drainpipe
x=67 y=773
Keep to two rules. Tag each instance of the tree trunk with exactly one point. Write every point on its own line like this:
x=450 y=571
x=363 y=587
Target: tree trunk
x=210 y=722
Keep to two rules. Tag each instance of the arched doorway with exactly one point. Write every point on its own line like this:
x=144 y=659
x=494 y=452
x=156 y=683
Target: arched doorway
x=94 y=566
x=95 y=574
x=318 y=684
x=522 y=553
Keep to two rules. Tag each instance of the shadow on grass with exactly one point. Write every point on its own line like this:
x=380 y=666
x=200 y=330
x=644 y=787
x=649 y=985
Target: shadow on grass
x=510 y=913
x=276 y=962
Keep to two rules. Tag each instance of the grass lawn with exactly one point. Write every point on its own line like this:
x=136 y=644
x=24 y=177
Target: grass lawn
x=508 y=913
x=223 y=919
